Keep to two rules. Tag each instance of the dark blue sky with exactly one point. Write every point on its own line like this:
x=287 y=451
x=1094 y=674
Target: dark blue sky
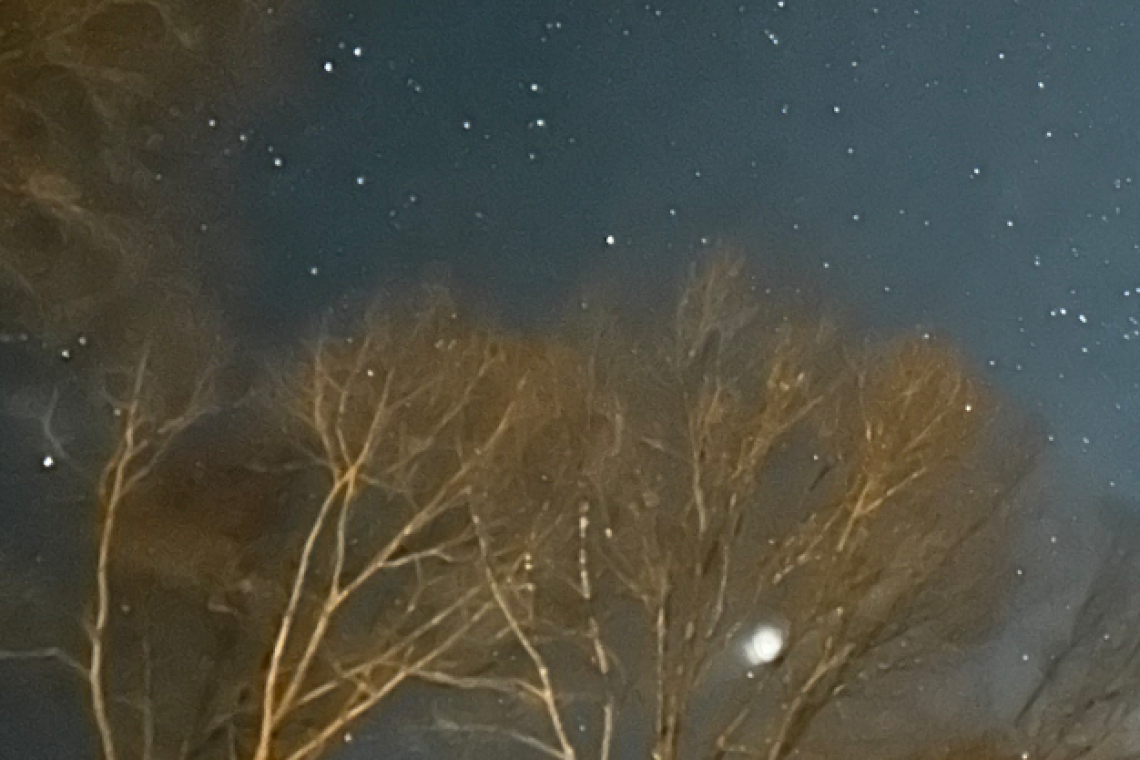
x=968 y=166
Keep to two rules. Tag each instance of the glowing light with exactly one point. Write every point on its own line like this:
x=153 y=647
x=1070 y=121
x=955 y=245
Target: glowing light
x=764 y=645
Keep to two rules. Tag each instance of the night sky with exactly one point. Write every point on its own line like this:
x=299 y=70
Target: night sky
x=968 y=167
x=964 y=167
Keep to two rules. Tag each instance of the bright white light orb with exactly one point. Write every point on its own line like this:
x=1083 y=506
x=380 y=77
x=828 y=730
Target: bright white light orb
x=764 y=645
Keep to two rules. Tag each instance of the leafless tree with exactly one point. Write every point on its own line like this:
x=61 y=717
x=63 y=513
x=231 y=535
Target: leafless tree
x=429 y=446
x=422 y=428
x=147 y=425
x=578 y=536
x=748 y=465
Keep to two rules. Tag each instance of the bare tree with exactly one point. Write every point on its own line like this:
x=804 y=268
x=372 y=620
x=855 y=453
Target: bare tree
x=421 y=427
x=425 y=441
x=148 y=424
x=751 y=471
x=580 y=540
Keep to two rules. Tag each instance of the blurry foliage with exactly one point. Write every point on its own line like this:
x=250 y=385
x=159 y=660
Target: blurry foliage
x=89 y=90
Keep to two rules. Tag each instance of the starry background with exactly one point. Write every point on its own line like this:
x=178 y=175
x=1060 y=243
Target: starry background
x=968 y=167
